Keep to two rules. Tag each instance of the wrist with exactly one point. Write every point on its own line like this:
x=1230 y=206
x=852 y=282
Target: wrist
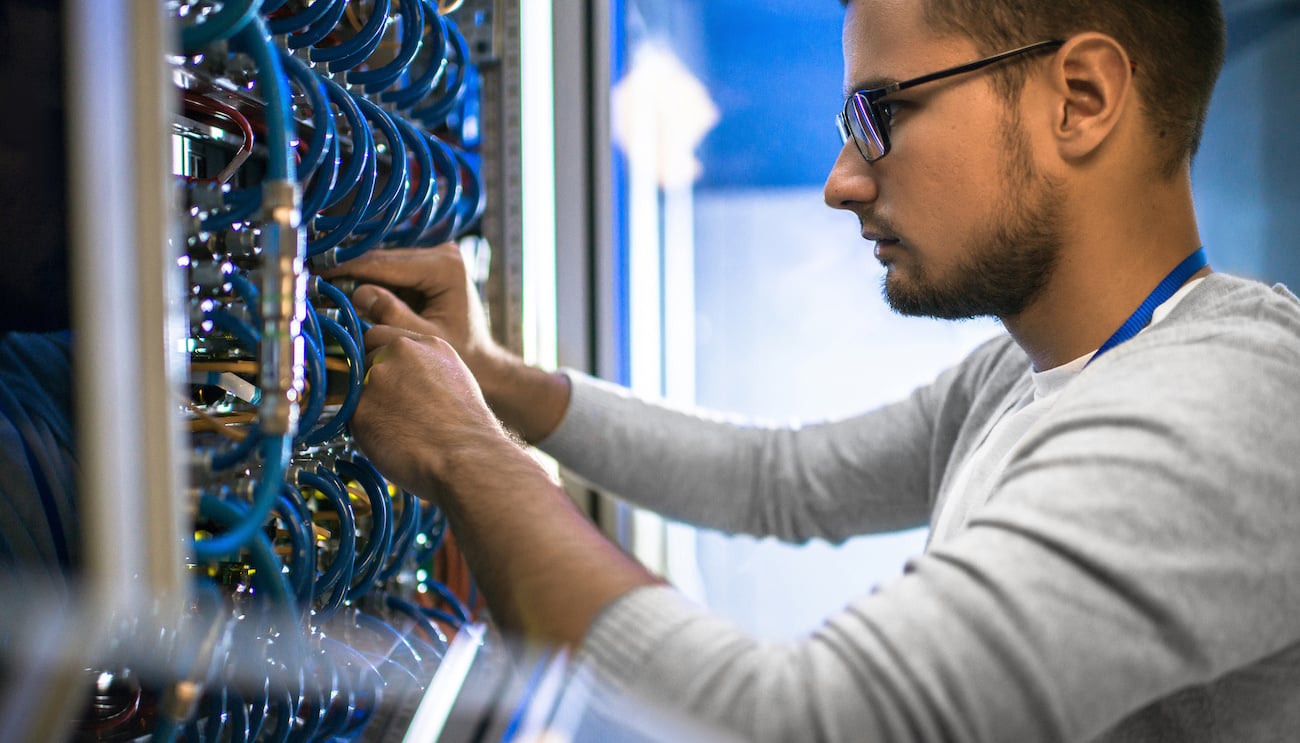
x=530 y=401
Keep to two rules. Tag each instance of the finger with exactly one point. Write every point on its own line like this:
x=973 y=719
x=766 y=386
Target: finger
x=397 y=267
x=380 y=336
x=382 y=307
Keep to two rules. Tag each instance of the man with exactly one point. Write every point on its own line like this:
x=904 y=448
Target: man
x=1110 y=487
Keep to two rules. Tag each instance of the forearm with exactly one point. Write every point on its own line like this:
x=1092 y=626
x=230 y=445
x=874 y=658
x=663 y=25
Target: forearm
x=530 y=401
x=545 y=571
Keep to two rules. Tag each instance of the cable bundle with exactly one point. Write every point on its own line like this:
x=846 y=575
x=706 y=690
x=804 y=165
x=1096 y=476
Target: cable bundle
x=311 y=132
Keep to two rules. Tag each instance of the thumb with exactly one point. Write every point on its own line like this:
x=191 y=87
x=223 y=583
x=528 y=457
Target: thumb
x=382 y=307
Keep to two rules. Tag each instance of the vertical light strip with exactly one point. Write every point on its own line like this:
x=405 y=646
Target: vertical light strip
x=537 y=111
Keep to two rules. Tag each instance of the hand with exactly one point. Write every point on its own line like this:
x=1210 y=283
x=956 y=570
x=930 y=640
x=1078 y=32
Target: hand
x=421 y=412
x=426 y=291
x=433 y=296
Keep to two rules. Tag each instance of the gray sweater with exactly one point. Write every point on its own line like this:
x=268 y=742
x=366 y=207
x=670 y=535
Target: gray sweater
x=1134 y=575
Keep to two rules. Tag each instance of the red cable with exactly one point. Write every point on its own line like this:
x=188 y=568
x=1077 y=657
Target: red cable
x=205 y=105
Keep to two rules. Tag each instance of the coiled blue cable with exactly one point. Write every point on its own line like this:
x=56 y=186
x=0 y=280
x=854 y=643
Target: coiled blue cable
x=356 y=50
x=412 y=38
x=334 y=427
x=422 y=201
x=410 y=610
x=274 y=86
x=282 y=709
x=352 y=52
x=444 y=217
x=233 y=717
x=225 y=320
x=223 y=24
x=340 y=300
x=358 y=693
x=339 y=698
x=422 y=84
x=363 y=145
x=380 y=540
x=241 y=205
x=435 y=111
x=457 y=606
x=249 y=294
x=302 y=558
x=322 y=183
x=403 y=537
x=391 y=200
x=395 y=184
x=362 y=162
x=335 y=492
x=267 y=576
x=316 y=385
x=321 y=119
x=323 y=27
x=474 y=198
x=275 y=455
x=312 y=698
x=302 y=19
x=258 y=708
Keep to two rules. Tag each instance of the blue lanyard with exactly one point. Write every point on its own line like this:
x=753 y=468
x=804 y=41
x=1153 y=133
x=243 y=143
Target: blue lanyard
x=1141 y=317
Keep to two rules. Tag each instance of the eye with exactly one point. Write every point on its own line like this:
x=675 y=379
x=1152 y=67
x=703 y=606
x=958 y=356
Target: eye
x=889 y=110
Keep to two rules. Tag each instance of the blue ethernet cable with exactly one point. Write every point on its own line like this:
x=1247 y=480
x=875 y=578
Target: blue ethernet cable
x=412 y=38
x=361 y=165
x=322 y=120
x=395 y=184
x=444 y=217
x=233 y=16
x=474 y=199
x=422 y=84
x=322 y=27
x=340 y=300
x=435 y=111
x=403 y=537
x=314 y=361
x=380 y=540
x=268 y=579
x=457 y=606
x=302 y=19
x=248 y=293
x=274 y=85
x=422 y=204
x=353 y=51
x=334 y=427
x=413 y=612
x=363 y=143
x=335 y=492
x=302 y=543
x=276 y=451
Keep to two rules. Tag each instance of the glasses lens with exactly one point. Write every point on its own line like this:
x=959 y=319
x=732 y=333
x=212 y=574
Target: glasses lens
x=842 y=127
x=869 y=133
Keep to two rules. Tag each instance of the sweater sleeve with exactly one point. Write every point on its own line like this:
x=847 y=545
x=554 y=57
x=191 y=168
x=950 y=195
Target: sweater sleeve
x=1142 y=542
x=875 y=472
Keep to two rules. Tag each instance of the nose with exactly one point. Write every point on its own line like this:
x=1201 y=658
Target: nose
x=851 y=181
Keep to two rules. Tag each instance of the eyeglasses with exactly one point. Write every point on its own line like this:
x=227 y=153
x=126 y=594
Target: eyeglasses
x=867 y=123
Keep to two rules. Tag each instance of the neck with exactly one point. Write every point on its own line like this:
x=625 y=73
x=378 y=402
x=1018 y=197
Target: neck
x=1106 y=270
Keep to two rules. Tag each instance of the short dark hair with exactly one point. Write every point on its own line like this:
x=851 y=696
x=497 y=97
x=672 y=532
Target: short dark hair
x=1177 y=44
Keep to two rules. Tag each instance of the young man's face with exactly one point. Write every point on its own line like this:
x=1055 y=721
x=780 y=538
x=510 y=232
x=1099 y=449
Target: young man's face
x=962 y=220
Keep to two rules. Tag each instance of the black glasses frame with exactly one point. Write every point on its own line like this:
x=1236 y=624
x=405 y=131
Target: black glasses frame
x=863 y=121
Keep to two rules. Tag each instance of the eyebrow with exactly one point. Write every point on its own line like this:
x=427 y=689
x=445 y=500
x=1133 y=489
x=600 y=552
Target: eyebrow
x=869 y=84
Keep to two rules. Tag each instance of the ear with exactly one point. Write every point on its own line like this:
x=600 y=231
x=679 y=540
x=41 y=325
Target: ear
x=1092 y=79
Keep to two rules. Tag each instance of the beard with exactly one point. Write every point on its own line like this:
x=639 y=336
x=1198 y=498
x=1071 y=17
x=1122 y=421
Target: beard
x=1002 y=270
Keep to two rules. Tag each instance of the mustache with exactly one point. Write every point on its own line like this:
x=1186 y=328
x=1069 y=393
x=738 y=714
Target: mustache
x=876 y=225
